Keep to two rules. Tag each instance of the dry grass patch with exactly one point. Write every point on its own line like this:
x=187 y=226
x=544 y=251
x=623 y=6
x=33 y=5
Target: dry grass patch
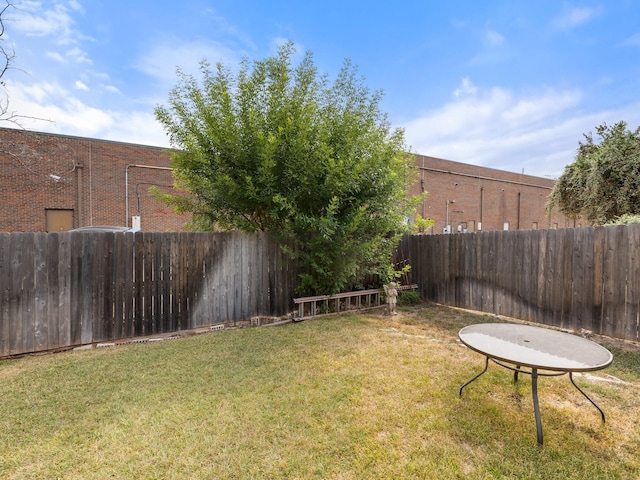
x=345 y=397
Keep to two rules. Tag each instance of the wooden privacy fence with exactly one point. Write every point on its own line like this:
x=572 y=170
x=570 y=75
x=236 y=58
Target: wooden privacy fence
x=581 y=278
x=68 y=289
x=64 y=289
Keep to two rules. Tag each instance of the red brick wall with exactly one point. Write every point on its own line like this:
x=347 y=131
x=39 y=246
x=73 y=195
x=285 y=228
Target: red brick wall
x=482 y=195
x=92 y=181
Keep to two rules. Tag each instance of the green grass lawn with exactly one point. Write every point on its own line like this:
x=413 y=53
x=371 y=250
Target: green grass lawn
x=345 y=397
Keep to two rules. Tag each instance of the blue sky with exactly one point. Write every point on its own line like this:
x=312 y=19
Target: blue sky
x=506 y=84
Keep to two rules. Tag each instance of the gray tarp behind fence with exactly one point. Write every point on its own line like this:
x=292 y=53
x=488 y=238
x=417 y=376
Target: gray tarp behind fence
x=64 y=289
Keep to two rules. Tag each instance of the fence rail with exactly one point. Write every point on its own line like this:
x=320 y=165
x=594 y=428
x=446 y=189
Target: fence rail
x=59 y=290
x=582 y=278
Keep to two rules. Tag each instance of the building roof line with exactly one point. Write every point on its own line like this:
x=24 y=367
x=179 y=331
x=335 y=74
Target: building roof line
x=481 y=177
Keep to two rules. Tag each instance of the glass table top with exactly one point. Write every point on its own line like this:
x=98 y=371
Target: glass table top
x=535 y=347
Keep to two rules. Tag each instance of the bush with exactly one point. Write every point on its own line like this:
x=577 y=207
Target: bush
x=626 y=219
x=409 y=297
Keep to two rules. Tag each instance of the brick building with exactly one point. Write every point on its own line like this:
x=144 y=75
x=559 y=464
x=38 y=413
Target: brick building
x=58 y=182
x=471 y=198
x=54 y=182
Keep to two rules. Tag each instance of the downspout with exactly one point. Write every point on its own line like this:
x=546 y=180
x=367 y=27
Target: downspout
x=481 y=206
x=422 y=182
x=90 y=184
x=80 y=188
x=519 y=204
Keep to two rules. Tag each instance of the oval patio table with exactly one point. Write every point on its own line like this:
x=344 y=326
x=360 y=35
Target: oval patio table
x=528 y=349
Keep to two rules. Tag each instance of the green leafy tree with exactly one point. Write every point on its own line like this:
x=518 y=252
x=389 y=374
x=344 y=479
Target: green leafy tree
x=276 y=147
x=421 y=225
x=604 y=181
x=626 y=219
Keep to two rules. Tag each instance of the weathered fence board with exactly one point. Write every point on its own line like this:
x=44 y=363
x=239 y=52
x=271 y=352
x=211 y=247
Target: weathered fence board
x=5 y=291
x=40 y=324
x=616 y=264
x=632 y=288
x=65 y=298
x=584 y=278
x=65 y=289
x=17 y=296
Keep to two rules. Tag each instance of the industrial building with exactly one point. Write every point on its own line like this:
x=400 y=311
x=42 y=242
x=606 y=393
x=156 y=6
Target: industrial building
x=53 y=182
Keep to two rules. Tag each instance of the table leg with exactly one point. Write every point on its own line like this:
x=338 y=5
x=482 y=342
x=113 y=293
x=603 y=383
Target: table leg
x=586 y=396
x=486 y=365
x=536 y=406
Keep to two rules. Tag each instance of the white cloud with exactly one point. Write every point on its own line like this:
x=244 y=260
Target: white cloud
x=33 y=19
x=48 y=107
x=139 y=127
x=542 y=106
x=221 y=27
x=467 y=88
x=50 y=101
x=56 y=56
x=78 y=55
x=493 y=38
x=75 y=54
x=493 y=50
x=632 y=41
x=538 y=133
x=75 y=5
x=37 y=25
x=161 y=61
x=573 y=17
x=34 y=93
